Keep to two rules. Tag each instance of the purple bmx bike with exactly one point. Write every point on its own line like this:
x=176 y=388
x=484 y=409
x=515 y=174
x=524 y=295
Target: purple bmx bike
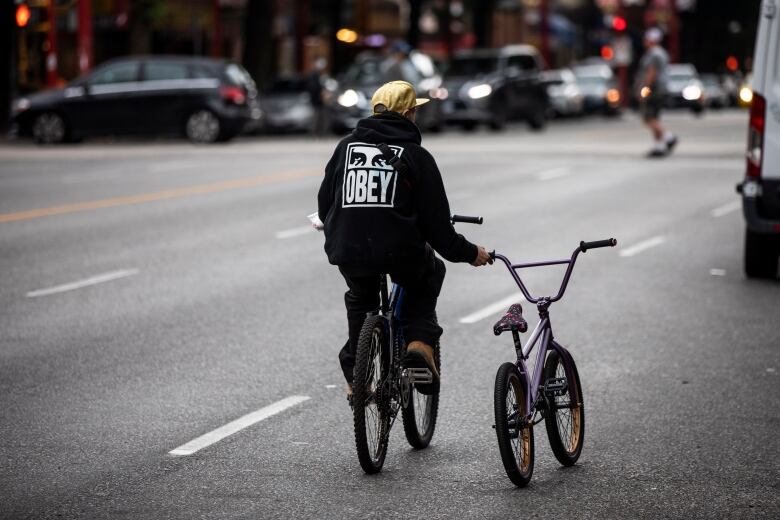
x=550 y=392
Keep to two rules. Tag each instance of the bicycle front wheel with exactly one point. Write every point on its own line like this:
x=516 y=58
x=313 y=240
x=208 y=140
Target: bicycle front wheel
x=565 y=417
x=370 y=407
x=420 y=413
x=515 y=434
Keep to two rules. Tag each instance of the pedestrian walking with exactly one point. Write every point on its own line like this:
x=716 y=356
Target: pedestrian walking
x=315 y=85
x=651 y=86
x=397 y=66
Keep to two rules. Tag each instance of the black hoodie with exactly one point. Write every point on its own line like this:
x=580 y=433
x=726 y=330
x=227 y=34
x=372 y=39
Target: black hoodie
x=375 y=218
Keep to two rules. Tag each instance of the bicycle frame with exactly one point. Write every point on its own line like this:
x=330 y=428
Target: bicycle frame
x=542 y=333
x=390 y=310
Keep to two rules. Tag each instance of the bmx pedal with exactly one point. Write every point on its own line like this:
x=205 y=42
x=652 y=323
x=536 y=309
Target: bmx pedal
x=556 y=387
x=420 y=376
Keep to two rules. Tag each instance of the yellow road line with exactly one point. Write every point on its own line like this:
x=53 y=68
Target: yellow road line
x=174 y=193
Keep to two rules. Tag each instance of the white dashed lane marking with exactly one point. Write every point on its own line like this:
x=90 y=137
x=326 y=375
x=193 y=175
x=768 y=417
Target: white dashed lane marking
x=642 y=246
x=725 y=209
x=239 y=424
x=555 y=173
x=491 y=309
x=101 y=278
x=294 y=232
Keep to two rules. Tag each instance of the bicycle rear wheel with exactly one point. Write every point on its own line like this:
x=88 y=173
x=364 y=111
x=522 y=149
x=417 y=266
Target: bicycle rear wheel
x=515 y=435
x=565 y=416
x=370 y=407
x=420 y=413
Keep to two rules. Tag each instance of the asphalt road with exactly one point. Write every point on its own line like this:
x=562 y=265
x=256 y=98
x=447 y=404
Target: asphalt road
x=197 y=296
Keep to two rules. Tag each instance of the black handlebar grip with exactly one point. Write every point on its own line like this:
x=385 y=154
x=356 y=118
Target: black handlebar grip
x=466 y=220
x=610 y=242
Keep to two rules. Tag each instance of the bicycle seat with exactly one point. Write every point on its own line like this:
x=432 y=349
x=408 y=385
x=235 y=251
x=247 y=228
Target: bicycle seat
x=512 y=320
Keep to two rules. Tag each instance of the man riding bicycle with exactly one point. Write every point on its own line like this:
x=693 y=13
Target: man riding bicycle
x=385 y=210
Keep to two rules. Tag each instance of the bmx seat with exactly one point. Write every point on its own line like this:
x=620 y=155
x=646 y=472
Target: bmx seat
x=512 y=320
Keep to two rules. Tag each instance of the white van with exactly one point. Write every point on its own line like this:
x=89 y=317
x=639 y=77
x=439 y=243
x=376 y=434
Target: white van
x=761 y=188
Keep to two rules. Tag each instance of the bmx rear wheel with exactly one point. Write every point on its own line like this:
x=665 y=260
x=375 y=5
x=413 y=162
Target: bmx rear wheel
x=370 y=405
x=419 y=415
x=565 y=416
x=515 y=434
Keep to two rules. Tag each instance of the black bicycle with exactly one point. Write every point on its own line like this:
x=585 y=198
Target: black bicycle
x=382 y=386
x=552 y=392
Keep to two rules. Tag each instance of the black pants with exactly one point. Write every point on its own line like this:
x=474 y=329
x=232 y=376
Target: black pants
x=421 y=282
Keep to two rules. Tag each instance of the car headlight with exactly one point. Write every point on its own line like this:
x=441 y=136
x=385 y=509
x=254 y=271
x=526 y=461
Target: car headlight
x=745 y=94
x=691 y=92
x=613 y=95
x=20 y=105
x=349 y=98
x=480 y=91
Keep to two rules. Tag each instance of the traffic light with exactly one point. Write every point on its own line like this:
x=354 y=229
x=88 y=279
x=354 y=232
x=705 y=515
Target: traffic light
x=619 y=23
x=22 y=15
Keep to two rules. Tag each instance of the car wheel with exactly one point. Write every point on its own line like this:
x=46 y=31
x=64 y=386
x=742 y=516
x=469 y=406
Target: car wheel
x=497 y=121
x=202 y=126
x=49 y=128
x=538 y=120
x=469 y=126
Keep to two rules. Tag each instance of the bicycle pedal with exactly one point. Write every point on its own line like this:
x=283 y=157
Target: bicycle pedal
x=556 y=387
x=420 y=376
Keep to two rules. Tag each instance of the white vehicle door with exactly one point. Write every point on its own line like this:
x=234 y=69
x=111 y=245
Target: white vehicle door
x=766 y=82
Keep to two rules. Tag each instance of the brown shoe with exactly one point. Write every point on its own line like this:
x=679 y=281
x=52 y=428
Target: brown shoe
x=420 y=355
x=416 y=348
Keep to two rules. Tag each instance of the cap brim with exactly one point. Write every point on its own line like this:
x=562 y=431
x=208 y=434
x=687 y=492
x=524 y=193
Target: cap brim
x=420 y=101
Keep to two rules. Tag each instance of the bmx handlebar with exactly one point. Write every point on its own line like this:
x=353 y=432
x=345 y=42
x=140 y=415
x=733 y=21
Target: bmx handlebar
x=610 y=242
x=466 y=219
x=584 y=246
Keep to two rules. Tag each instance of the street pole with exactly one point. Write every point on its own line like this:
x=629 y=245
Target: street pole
x=674 y=31
x=623 y=68
x=51 y=47
x=413 y=30
x=85 y=49
x=216 y=30
x=544 y=11
x=8 y=33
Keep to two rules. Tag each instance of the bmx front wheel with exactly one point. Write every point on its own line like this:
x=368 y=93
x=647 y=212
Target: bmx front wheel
x=515 y=433
x=370 y=407
x=419 y=415
x=565 y=417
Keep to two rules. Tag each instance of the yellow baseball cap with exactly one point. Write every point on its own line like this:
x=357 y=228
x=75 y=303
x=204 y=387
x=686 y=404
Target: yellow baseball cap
x=396 y=96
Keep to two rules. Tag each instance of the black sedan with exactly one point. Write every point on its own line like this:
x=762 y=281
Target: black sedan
x=492 y=86
x=204 y=99
x=368 y=73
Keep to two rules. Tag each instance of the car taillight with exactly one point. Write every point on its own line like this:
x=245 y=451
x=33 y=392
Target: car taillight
x=755 y=144
x=233 y=95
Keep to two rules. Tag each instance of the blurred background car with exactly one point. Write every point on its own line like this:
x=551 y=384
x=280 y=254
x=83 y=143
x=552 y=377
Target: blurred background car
x=368 y=72
x=715 y=95
x=599 y=88
x=684 y=88
x=204 y=99
x=566 y=99
x=492 y=86
x=287 y=106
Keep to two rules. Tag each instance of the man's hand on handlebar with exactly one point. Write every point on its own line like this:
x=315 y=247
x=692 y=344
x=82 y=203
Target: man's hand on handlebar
x=483 y=257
